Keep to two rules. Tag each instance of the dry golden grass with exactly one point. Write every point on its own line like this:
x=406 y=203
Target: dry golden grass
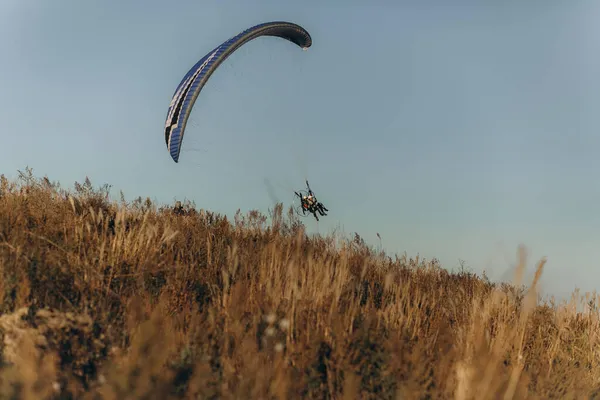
x=126 y=301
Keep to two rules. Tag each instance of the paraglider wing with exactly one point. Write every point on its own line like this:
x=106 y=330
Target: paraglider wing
x=192 y=83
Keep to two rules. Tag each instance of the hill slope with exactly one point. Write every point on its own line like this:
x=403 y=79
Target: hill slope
x=131 y=301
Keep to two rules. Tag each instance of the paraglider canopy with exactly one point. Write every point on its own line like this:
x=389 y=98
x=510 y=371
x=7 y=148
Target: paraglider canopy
x=192 y=83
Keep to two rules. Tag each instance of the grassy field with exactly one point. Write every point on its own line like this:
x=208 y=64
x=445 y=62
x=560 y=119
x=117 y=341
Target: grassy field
x=107 y=300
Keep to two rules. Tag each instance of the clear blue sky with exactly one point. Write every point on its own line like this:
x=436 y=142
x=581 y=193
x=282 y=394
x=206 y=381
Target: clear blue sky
x=454 y=129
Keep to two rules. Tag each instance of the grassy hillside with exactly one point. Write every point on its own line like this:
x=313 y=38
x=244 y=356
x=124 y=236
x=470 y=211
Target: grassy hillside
x=129 y=301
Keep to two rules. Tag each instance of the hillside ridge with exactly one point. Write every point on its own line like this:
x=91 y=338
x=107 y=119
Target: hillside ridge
x=122 y=299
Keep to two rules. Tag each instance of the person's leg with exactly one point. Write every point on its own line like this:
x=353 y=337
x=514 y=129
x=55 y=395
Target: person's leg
x=322 y=209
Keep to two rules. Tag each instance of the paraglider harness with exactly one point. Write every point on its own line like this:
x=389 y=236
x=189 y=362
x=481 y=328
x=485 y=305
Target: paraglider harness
x=309 y=203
